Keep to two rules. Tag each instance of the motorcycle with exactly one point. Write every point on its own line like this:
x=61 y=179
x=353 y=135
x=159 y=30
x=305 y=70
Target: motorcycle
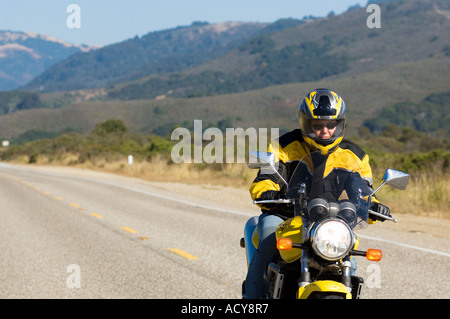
x=317 y=245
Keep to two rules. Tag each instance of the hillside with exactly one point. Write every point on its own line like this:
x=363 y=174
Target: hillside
x=275 y=106
x=154 y=53
x=25 y=55
x=428 y=115
x=157 y=52
x=336 y=45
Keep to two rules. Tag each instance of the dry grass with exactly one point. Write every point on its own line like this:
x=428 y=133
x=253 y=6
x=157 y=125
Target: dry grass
x=159 y=169
x=427 y=194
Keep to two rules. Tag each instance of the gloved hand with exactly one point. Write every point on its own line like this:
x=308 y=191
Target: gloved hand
x=274 y=208
x=267 y=195
x=382 y=209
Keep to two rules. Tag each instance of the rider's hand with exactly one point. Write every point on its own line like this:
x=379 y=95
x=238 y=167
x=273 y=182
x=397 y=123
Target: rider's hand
x=275 y=208
x=267 y=195
x=382 y=209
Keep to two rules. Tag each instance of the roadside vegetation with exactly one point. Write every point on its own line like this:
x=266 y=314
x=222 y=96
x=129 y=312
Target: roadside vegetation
x=108 y=146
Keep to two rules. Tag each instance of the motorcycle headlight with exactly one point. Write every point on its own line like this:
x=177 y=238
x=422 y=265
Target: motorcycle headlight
x=332 y=239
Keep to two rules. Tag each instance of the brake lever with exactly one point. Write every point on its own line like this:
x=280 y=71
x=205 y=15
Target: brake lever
x=382 y=216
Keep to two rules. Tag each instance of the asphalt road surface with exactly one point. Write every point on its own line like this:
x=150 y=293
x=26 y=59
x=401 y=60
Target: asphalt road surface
x=82 y=234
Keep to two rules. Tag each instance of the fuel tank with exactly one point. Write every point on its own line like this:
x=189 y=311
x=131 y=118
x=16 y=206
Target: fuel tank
x=293 y=229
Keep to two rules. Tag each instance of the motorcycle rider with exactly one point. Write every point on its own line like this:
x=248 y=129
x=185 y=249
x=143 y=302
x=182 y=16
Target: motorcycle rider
x=322 y=119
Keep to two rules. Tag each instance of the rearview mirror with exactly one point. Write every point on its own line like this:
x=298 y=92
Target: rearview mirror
x=396 y=178
x=265 y=161
x=261 y=160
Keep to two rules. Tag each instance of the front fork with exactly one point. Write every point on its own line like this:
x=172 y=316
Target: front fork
x=305 y=276
x=346 y=273
x=305 y=283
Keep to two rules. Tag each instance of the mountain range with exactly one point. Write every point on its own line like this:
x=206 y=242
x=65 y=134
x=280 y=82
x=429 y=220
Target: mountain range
x=242 y=74
x=158 y=52
x=25 y=55
x=204 y=59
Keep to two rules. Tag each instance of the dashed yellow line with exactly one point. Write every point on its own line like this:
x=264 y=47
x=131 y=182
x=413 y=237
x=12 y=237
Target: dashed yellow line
x=125 y=228
x=183 y=253
x=76 y=206
x=128 y=229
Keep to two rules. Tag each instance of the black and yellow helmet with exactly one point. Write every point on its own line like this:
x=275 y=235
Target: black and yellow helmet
x=322 y=104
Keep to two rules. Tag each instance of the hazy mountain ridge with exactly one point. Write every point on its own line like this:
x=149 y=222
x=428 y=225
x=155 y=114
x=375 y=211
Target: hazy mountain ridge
x=335 y=45
x=25 y=55
x=156 y=52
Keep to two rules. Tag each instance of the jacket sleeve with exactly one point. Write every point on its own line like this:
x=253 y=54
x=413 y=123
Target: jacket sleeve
x=367 y=175
x=366 y=170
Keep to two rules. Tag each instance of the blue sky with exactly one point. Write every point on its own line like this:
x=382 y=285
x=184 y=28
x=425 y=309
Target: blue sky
x=104 y=22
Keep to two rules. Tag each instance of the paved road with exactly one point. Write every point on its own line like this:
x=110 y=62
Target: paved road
x=102 y=236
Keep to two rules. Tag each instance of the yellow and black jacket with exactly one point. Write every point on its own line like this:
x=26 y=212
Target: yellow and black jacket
x=291 y=148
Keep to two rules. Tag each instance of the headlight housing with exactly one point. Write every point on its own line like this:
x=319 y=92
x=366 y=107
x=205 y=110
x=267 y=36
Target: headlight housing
x=332 y=239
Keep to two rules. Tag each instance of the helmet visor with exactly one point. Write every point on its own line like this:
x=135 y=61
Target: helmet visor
x=312 y=128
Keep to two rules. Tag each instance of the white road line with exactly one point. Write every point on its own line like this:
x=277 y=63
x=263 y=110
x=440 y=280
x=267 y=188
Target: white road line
x=405 y=245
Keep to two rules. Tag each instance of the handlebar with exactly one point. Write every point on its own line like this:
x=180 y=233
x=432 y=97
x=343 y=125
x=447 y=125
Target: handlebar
x=274 y=201
x=290 y=201
x=383 y=216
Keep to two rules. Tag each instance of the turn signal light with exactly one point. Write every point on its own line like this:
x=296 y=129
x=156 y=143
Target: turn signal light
x=284 y=244
x=373 y=254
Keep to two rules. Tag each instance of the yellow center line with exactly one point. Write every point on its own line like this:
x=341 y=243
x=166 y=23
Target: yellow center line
x=128 y=229
x=183 y=254
x=125 y=228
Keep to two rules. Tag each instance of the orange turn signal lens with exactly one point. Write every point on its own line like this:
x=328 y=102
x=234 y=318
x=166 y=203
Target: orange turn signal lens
x=373 y=254
x=284 y=244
